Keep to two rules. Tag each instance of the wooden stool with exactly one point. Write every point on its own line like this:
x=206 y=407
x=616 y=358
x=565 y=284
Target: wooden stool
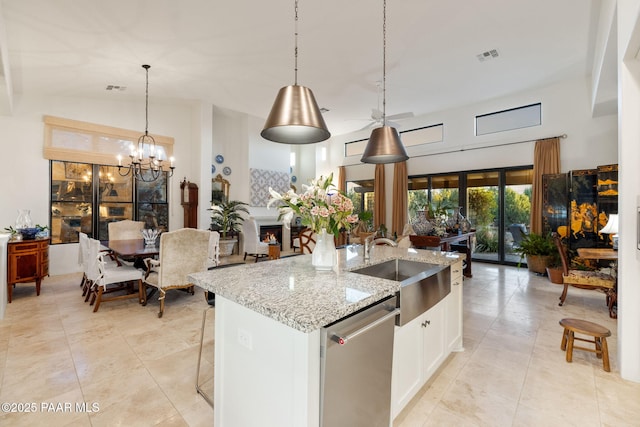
x=599 y=334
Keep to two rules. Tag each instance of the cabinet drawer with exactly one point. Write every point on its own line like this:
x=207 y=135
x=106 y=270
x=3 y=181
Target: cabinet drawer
x=16 y=248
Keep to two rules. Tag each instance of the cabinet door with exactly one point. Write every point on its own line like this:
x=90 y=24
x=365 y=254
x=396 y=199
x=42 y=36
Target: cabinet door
x=23 y=266
x=432 y=323
x=407 y=364
x=453 y=317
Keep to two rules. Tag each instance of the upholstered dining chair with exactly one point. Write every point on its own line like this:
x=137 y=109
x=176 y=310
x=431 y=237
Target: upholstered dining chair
x=125 y=230
x=253 y=246
x=213 y=257
x=87 y=259
x=182 y=252
x=584 y=279
x=107 y=277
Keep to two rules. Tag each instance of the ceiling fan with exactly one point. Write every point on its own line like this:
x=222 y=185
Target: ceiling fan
x=376 y=115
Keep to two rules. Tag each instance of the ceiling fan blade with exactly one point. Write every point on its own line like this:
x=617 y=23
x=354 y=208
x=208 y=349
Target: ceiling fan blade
x=369 y=125
x=400 y=116
x=376 y=114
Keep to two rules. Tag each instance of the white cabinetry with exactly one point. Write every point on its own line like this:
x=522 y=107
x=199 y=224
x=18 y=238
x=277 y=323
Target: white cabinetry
x=423 y=344
x=418 y=350
x=454 y=310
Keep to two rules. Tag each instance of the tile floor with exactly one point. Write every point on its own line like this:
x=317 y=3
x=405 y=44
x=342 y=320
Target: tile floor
x=140 y=370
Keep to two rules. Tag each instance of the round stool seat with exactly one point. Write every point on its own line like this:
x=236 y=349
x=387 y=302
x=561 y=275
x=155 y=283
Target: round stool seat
x=584 y=327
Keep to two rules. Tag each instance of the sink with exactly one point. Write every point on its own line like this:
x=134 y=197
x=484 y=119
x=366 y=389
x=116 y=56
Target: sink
x=422 y=285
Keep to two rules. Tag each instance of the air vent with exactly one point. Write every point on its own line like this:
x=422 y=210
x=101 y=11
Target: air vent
x=116 y=87
x=324 y=110
x=485 y=56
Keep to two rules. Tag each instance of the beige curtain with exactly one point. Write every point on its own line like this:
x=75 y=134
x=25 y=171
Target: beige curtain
x=379 y=212
x=546 y=160
x=342 y=184
x=400 y=189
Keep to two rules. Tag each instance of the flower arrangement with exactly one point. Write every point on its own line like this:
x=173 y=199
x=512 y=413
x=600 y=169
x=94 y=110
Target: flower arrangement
x=320 y=206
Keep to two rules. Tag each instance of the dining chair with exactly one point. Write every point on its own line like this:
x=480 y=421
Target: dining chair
x=182 y=252
x=584 y=279
x=87 y=260
x=213 y=257
x=125 y=230
x=107 y=278
x=253 y=246
x=307 y=241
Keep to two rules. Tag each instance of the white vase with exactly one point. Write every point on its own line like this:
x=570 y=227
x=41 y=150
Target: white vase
x=323 y=257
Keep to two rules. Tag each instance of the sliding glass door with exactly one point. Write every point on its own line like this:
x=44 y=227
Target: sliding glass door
x=497 y=202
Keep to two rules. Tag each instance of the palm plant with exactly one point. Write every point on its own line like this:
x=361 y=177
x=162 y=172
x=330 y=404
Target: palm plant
x=228 y=216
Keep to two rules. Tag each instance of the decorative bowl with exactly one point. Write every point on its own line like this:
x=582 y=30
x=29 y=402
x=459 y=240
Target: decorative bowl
x=28 y=233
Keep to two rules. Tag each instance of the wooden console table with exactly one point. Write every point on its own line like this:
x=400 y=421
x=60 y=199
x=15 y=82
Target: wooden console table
x=27 y=261
x=450 y=242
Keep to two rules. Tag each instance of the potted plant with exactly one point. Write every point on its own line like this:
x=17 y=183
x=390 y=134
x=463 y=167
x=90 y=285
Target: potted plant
x=227 y=217
x=554 y=269
x=539 y=251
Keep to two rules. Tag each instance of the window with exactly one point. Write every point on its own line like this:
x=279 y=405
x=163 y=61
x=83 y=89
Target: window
x=515 y=118
x=362 y=195
x=86 y=198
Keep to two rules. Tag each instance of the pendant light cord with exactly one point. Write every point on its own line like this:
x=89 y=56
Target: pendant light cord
x=146 y=102
x=384 y=63
x=295 y=51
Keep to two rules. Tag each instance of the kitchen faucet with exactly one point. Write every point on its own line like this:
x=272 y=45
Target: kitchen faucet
x=368 y=244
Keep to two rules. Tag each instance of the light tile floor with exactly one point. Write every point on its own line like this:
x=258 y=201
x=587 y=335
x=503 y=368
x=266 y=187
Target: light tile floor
x=140 y=370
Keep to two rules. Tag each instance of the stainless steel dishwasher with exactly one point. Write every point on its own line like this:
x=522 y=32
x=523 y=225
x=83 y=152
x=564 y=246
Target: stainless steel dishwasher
x=356 y=359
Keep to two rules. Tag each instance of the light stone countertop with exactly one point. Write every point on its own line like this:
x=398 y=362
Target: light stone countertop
x=292 y=292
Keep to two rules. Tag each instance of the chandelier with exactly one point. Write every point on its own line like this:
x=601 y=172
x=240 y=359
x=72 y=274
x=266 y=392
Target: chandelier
x=145 y=162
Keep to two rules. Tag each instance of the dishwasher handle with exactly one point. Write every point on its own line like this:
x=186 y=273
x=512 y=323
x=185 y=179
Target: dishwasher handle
x=342 y=340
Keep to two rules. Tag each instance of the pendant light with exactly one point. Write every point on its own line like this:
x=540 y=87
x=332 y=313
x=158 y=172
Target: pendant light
x=295 y=117
x=384 y=144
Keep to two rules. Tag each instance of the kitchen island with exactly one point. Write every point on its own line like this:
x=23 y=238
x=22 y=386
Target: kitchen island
x=267 y=333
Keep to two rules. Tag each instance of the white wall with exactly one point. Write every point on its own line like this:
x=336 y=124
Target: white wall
x=629 y=189
x=25 y=173
x=565 y=110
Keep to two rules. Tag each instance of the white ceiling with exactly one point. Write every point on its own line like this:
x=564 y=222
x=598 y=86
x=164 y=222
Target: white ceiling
x=237 y=54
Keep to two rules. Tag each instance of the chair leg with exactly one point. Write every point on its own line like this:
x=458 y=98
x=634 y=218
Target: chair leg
x=564 y=294
x=98 y=299
x=245 y=257
x=161 y=299
x=141 y=292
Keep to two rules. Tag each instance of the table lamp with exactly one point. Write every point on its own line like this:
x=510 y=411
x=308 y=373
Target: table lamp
x=612 y=228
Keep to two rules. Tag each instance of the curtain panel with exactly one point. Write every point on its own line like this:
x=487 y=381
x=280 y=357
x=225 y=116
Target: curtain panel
x=400 y=190
x=546 y=160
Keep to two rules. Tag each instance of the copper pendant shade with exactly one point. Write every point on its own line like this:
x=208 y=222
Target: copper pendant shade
x=295 y=118
x=384 y=146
